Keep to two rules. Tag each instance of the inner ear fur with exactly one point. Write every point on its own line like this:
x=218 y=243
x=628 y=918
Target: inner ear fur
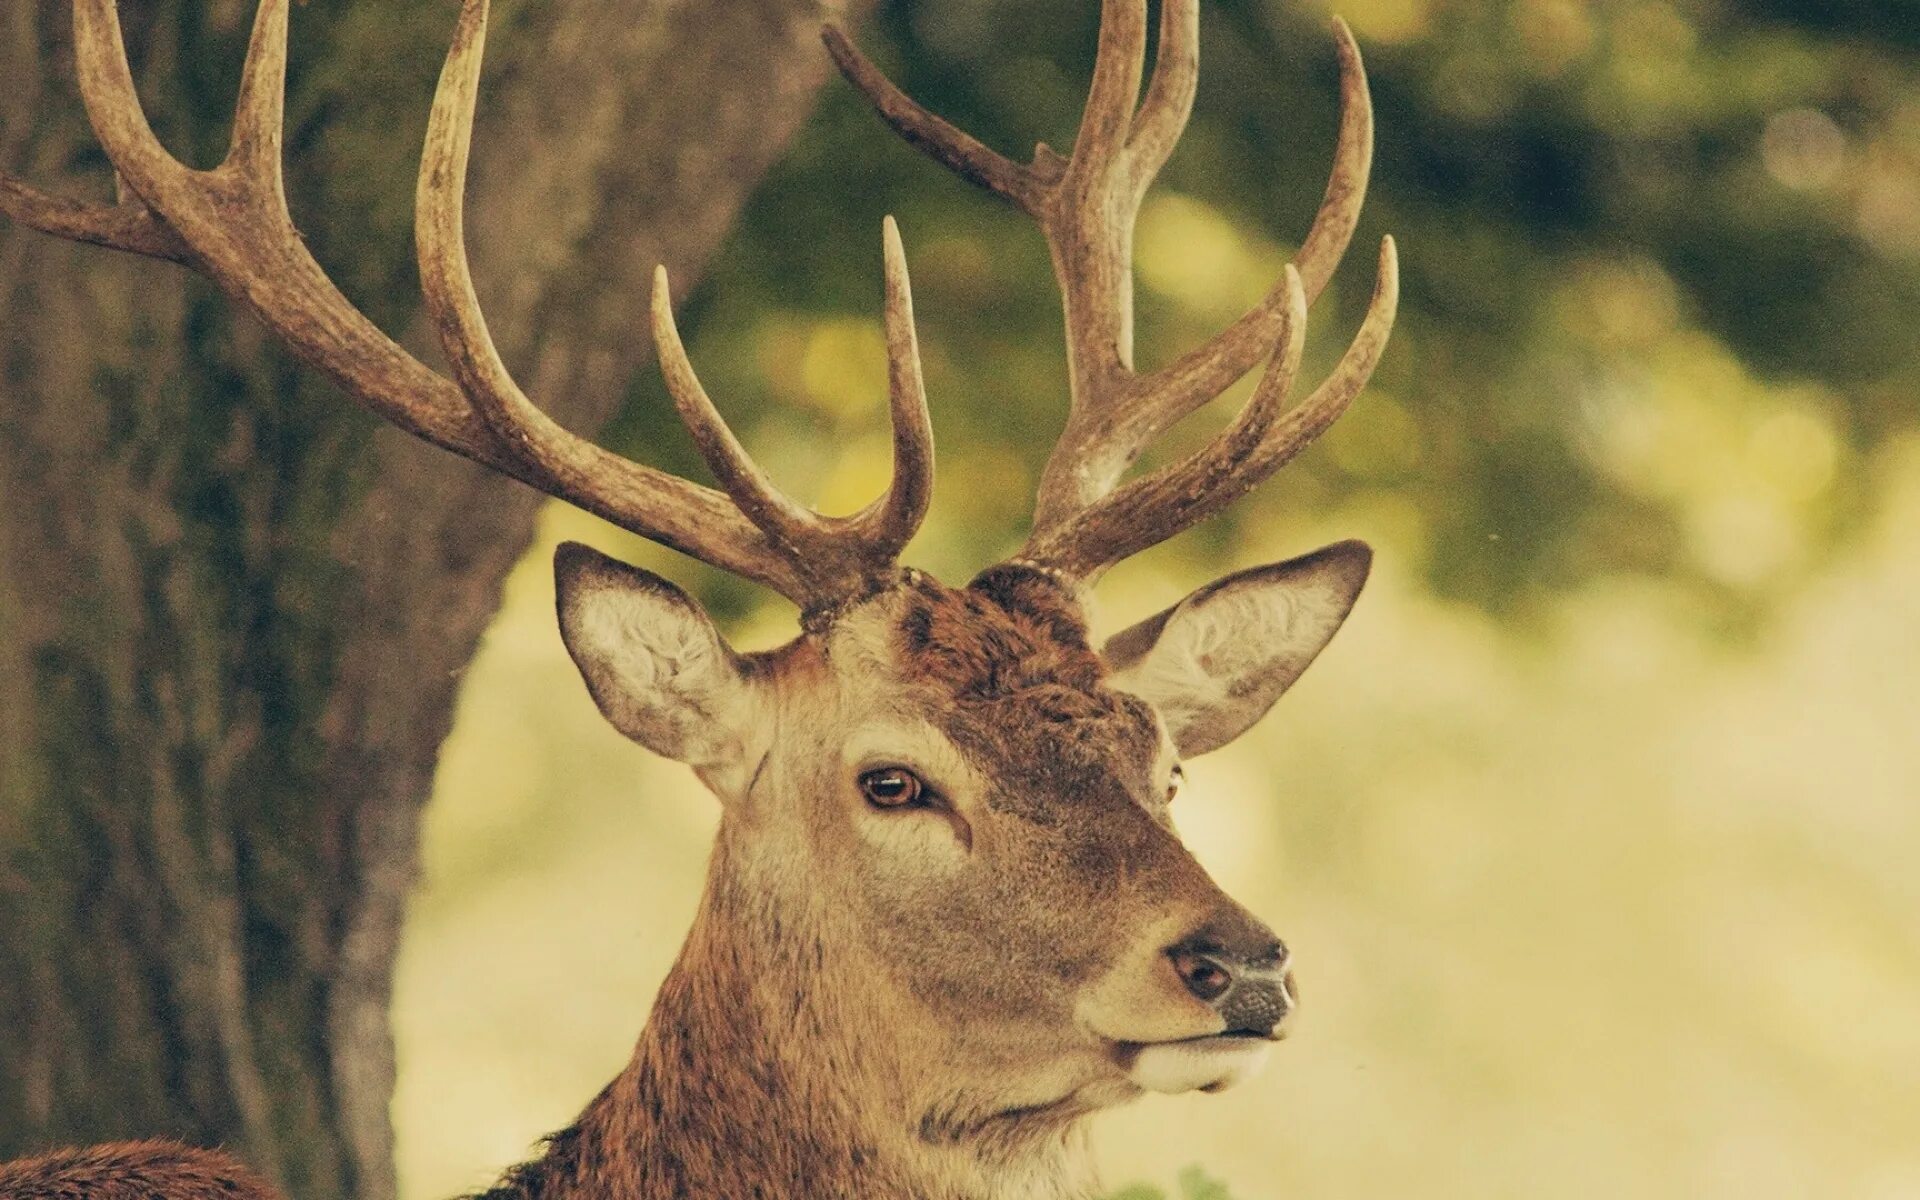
x=1214 y=663
x=652 y=659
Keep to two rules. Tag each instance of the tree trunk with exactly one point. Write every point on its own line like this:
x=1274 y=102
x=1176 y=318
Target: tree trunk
x=233 y=611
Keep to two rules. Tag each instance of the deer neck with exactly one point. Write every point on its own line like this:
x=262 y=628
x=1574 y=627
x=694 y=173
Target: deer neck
x=765 y=1070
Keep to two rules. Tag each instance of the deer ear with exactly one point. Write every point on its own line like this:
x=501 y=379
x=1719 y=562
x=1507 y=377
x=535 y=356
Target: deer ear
x=1214 y=663
x=655 y=664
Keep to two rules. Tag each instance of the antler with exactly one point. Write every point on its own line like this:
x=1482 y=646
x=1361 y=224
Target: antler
x=1086 y=205
x=879 y=531
x=231 y=224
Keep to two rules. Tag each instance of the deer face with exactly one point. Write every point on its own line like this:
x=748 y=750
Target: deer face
x=955 y=788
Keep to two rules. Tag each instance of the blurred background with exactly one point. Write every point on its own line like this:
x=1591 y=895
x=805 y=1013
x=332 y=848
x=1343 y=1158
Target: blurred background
x=1597 y=831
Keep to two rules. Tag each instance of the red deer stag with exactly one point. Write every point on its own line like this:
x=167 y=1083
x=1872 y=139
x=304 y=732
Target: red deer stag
x=947 y=915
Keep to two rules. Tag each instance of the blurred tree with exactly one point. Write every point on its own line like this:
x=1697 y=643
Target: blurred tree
x=1620 y=224
x=233 y=612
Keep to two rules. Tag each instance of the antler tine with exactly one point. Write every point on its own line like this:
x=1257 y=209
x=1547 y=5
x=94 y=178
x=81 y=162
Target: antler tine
x=951 y=147
x=1151 y=509
x=1169 y=103
x=113 y=104
x=231 y=224
x=1083 y=542
x=1190 y=381
x=1107 y=120
x=1332 y=231
x=810 y=559
x=891 y=521
x=119 y=120
x=216 y=223
x=259 y=121
x=851 y=554
x=446 y=278
x=130 y=227
x=787 y=523
x=1087 y=207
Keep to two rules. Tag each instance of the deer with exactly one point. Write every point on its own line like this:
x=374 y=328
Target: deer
x=947 y=916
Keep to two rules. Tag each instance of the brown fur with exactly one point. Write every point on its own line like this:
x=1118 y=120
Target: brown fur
x=1013 y=628
x=772 y=1063
x=718 y=1099
x=856 y=1015
x=132 y=1171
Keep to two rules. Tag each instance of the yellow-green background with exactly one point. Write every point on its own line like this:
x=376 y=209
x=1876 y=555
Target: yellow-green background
x=1597 y=831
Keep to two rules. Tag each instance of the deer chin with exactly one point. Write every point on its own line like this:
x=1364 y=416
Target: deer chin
x=1204 y=1064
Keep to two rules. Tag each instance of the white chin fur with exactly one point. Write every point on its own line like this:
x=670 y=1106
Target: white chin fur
x=1209 y=1063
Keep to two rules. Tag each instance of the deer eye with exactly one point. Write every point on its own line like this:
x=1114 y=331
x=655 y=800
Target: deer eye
x=893 y=787
x=1176 y=780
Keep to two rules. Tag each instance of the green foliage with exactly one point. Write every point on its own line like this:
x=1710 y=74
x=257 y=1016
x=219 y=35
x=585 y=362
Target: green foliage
x=1195 y=1184
x=1641 y=241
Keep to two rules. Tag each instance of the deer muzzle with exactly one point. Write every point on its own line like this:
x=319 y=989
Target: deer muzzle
x=1239 y=969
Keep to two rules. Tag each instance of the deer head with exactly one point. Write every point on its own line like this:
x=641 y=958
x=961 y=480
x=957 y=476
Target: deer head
x=947 y=877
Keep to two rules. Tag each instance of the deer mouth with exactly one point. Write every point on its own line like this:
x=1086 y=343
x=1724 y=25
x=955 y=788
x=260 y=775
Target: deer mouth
x=1201 y=1064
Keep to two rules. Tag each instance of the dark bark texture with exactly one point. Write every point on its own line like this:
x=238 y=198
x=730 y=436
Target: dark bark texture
x=233 y=610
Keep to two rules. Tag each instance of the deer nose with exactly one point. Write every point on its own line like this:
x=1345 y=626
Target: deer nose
x=1241 y=973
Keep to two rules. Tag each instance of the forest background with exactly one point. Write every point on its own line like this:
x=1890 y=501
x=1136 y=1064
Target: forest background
x=1594 y=833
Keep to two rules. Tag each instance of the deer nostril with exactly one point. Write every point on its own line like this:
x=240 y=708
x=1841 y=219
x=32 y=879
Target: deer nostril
x=1273 y=956
x=1204 y=977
